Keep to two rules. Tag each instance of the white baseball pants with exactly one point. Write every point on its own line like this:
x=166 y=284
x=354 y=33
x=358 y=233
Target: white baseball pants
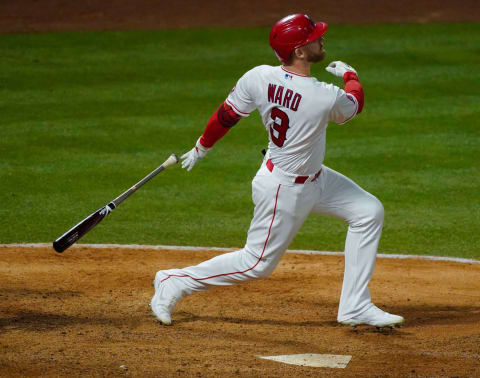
x=281 y=207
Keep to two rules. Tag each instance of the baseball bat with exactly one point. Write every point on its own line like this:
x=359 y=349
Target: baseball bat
x=80 y=229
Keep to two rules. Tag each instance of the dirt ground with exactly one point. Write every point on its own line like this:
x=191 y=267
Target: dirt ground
x=85 y=312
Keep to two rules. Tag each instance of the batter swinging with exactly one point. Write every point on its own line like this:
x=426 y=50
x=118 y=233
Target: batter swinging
x=292 y=180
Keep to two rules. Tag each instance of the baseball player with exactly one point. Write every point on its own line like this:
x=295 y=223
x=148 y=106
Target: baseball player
x=292 y=181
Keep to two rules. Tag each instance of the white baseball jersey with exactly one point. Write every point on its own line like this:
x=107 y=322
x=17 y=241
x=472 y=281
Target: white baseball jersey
x=295 y=110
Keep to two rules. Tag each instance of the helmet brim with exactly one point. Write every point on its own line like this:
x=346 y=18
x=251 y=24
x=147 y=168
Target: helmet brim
x=318 y=32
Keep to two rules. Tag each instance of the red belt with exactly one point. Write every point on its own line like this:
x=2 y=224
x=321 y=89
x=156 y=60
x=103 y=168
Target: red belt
x=298 y=179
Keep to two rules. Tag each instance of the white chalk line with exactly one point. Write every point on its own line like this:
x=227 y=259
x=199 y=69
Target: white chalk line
x=312 y=359
x=189 y=248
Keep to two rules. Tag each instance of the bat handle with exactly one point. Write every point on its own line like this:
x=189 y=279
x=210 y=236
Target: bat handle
x=172 y=160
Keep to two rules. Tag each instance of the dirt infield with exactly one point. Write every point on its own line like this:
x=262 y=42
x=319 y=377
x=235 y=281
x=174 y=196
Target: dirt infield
x=86 y=312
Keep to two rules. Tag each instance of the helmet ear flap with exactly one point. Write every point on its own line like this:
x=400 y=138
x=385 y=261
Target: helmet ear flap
x=278 y=56
x=291 y=56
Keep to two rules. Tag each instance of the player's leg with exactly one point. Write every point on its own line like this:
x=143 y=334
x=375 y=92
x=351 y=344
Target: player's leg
x=280 y=209
x=342 y=198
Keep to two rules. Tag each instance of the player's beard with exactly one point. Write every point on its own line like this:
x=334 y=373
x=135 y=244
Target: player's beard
x=313 y=57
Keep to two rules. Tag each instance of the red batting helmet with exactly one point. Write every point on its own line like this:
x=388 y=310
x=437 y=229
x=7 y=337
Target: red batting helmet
x=294 y=31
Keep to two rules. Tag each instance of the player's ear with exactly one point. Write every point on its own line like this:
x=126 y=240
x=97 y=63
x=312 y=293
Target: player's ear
x=299 y=53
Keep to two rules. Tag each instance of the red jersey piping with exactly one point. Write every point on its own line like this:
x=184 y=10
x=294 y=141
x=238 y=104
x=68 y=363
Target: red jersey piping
x=258 y=261
x=293 y=73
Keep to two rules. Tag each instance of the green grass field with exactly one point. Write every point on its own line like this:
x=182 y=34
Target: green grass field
x=84 y=116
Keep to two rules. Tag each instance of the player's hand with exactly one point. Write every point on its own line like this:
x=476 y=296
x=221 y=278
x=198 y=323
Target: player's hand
x=191 y=157
x=339 y=68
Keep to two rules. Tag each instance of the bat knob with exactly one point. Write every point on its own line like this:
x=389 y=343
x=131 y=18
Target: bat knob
x=172 y=160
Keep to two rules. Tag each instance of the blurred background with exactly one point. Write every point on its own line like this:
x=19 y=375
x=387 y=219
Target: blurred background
x=56 y=15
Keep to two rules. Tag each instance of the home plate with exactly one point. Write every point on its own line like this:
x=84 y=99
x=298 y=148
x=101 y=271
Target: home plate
x=314 y=360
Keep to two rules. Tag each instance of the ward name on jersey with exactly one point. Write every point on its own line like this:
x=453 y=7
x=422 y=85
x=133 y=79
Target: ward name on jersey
x=276 y=95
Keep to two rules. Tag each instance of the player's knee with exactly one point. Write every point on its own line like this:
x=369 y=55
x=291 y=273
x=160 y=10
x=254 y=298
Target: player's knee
x=376 y=212
x=263 y=270
x=369 y=212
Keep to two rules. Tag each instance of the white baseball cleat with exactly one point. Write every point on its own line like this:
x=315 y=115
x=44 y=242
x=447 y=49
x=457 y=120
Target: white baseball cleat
x=375 y=317
x=162 y=303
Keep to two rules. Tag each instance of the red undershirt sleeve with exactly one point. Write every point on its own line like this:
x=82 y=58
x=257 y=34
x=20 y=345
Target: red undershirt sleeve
x=353 y=87
x=219 y=124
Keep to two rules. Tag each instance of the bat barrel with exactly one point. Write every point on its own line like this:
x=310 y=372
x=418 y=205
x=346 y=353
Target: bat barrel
x=76 y=232
x=59 y=247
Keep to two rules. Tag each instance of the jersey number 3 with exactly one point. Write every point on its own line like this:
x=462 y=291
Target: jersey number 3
x=278 y=131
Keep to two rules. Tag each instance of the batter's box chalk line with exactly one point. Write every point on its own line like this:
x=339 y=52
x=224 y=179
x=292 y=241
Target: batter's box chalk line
x=187 y=248
x=313 y=360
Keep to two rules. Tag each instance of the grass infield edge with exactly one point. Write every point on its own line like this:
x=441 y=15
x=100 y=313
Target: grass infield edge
x=192 y=248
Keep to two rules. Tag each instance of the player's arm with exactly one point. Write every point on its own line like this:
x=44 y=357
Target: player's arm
x=350 y=101
x=238 y=104
x=354 y=88
x=219 y=124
